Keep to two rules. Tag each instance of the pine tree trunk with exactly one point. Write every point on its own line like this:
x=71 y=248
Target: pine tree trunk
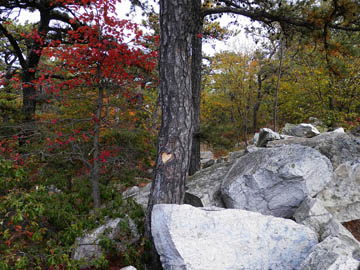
x=196 y=60
x=175 y=135
x=257 y=103
x=278 y=85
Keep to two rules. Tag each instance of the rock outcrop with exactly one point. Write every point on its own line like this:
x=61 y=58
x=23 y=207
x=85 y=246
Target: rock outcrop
x=336 y=146
x=87 y=248
x=292 y=177
x=275 y=181
x=313 y=214
x=342 y=195
x=189 y=238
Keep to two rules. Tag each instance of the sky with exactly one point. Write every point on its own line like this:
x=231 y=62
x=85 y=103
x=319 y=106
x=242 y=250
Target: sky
x=239 y=43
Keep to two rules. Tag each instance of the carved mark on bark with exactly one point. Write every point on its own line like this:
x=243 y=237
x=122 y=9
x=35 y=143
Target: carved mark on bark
x=165 y=157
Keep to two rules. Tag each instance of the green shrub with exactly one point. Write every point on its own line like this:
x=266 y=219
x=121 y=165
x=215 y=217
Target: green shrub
x=38 y=228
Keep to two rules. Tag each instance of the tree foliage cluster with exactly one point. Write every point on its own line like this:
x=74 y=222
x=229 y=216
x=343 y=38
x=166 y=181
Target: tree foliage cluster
x=239 y=90
x=78 y=117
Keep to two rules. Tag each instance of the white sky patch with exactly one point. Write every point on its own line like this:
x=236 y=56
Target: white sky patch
x=238 y=43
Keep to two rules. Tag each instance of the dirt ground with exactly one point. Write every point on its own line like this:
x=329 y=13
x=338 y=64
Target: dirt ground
x=353 y=227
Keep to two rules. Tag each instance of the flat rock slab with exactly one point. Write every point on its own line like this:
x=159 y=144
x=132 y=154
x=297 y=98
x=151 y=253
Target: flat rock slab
x=275 y=181
x=190 y=238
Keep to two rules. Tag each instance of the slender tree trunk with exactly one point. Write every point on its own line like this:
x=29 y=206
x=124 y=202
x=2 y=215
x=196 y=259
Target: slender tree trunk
x=196 y=60
x=95 y=170
x=155 y=115
x=175 y=135
x=8 y=76
x=278 y=85
x=29 y=95
x=29 y=67
x=257 y=103
x=29 y=105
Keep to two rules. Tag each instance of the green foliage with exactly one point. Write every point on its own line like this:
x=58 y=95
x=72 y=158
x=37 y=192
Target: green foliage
x=314 y=83
x=11 y=176
x=39 y=226
x=232 y=96
x=320 y=84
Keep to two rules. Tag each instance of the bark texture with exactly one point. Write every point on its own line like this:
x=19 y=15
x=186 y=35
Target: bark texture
x=196 y=60
x=175 y=135
x=29 y=67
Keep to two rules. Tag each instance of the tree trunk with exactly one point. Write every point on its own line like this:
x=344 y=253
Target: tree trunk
x=175 y=135
x=257 y=103
x=8 y=76
x=29 y=67
x=95 y=170
x=278 y=85
x=29 y=105
x=196 y=60
x=29 y=95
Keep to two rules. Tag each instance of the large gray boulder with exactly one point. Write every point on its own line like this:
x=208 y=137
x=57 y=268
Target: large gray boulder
x=301 y=130
x=275 y=181
x=189 y=238
x=266 y=135
x=337 y=146
x=235 y=155
x=342 y=195
x=88 y=248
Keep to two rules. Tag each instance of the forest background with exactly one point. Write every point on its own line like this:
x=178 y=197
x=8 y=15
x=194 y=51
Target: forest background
x=80 y=113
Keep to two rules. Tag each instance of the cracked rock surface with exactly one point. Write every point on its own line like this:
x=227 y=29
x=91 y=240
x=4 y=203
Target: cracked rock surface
x=275 y=181
x=342 y=195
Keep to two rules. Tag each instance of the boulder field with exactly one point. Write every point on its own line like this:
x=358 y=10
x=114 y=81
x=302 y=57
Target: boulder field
x=278 y=206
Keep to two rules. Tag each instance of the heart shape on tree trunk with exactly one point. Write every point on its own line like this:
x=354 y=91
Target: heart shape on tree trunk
x=165 y=157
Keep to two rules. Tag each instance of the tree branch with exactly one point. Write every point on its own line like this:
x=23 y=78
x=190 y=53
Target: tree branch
x=259 y=16
x=15 y=45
